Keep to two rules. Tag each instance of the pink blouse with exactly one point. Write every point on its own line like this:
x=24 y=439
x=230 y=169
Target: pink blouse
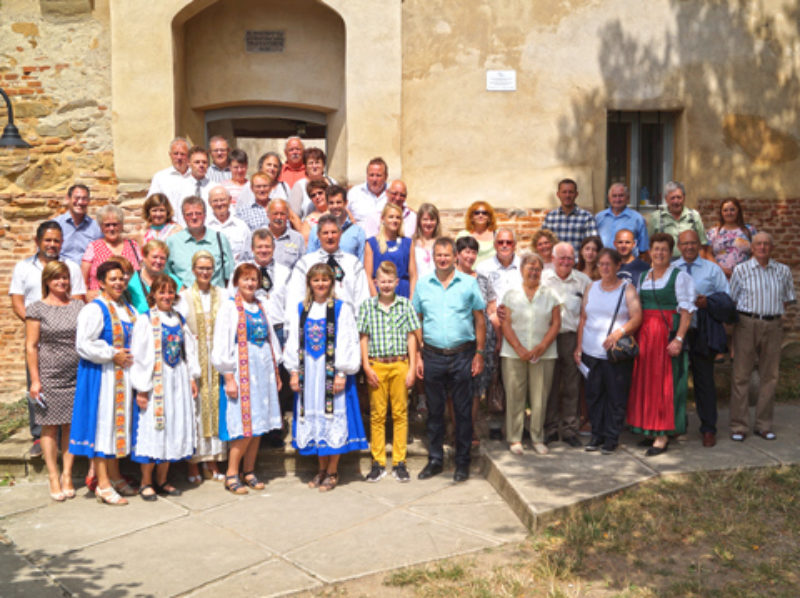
x=98 y=252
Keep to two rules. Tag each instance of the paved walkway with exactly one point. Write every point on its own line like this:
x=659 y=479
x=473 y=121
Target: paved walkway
x=290 y=538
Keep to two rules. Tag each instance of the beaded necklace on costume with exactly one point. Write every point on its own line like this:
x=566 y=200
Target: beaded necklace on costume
x=330 y=337
x=118 y=342
x=244 y=361
x=209 y=413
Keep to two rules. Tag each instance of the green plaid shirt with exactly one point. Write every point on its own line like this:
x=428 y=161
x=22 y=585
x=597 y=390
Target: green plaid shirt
x=387 y=330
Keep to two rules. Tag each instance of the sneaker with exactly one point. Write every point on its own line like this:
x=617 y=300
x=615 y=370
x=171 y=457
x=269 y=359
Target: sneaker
x=36 y=449
x=376 y=473
x=400 y=473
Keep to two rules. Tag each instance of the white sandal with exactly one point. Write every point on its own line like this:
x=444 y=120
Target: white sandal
x=109 y=496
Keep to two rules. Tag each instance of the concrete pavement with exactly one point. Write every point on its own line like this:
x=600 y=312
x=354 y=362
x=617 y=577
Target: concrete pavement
x=290 y=538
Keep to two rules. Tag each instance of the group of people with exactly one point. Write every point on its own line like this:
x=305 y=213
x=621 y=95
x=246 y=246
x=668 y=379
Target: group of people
x=178 y=345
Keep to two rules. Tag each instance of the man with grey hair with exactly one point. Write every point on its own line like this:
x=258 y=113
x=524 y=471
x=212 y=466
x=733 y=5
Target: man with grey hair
x=289 y=244
x=569 y=285
x=220 y=169
x=295 y=168
x=196 y=236
x=171 y=181
x=220 y=219
x=674 y=217
x=620 y=216
x=761 y=289
x=502 y=271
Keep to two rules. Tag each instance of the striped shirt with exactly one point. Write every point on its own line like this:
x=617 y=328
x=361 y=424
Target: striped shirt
x=572 y=228
x=762 y=291
x=387 y=330
x=218 y=175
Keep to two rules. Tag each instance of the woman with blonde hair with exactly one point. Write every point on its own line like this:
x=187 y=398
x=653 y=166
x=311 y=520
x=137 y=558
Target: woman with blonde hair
x=542 y=243
x=391 y=245
x=50 y=329
x=323 y=355
x=429 y=228
x=481 y=222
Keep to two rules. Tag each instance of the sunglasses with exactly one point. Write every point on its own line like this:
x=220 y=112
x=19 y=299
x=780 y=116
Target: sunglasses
x=480 y=213
x=504 y=242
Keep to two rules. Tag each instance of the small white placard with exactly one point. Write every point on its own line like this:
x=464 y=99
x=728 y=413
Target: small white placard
x=501 y=80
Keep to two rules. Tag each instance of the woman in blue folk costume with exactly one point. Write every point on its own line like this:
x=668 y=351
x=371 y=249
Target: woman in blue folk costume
x=164 y=370
x=101 y=410
x=244 y=352
x=322 y=353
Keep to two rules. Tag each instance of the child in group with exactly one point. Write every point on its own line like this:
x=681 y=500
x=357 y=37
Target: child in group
x=164 y=370
x=244 y=352
x=388 y=326
x=322 y=355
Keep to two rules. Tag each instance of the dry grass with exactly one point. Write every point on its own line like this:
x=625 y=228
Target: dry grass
x=704 y=535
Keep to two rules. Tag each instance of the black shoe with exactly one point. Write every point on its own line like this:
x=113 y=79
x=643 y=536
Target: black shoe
x=594 y=444
x=148 y=497
x=646 y=441
x=400 y=473
x=655 y=451
x=164 y=491
x=431 y=469
x=461 y=474
x=376 y=473
x=573 y=441
x=608 y=449
x=551 y=438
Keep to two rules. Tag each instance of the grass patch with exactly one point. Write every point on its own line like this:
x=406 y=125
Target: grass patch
x=13 y=416
x=732 y=534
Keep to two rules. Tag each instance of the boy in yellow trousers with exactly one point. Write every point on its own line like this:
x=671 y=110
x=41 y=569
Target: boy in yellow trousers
x=388 y=326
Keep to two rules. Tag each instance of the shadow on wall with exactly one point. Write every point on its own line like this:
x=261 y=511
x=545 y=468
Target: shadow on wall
x=729 y=67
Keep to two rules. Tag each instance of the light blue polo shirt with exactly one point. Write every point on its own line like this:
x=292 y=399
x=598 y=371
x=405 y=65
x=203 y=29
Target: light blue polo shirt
x=608 y=225
x=447 y=313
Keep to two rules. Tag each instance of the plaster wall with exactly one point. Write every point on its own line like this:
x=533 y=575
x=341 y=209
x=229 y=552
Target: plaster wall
x=731 y=69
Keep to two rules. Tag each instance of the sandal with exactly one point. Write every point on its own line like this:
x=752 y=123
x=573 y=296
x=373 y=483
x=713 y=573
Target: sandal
x=68 y=492
x=109 y=496
x=252 y=480
x=329 y=483
x=91 y=482
x=218 y=477
x=123 y=487
x=317 y=479
x=166 y=489
x=148 y=497
x=235 y=486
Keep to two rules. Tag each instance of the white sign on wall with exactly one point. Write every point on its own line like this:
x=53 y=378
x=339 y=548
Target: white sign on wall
x=501 y=80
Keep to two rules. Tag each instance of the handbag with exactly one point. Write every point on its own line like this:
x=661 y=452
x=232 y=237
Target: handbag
x=626 y=348
x=495 y=393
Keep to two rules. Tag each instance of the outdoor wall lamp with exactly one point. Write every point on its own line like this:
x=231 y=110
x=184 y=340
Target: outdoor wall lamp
x=11 y=136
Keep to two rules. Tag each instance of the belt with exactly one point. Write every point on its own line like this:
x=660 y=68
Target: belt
x=392 y=359
x=453 y=351
x=759 y=317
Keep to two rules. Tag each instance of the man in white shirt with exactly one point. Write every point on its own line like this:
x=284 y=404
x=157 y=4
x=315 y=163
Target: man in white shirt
x=198 y=183
x=396 y=193
x=569 y=285
x=351 y=279
x=369 y=197
x=220 y=169
x=170 y=181
x=221 y=219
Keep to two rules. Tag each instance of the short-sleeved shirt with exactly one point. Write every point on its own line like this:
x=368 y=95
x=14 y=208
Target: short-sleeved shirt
x=77 y=238
x=571 y=228
x=663 y=222
x=762 y=291
x=26 y=280
x=447 y=312
x=501 y=278
x=238 y=234
x=182 y=247
x=530 y=319
x=569 y=293
x=289 y=248
x=632 y=271
x=608 y=224
x=253 y=213
x=387 y=329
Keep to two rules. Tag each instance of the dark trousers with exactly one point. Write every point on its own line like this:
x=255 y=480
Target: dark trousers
x=449 y=375
x=36 y=429
x=562 y=403
x=607 y=389
x=705 y=392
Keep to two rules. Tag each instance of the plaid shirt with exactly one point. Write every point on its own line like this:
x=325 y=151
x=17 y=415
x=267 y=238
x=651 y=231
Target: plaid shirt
x=573 y=227
x=387 y=331
x=253 y=214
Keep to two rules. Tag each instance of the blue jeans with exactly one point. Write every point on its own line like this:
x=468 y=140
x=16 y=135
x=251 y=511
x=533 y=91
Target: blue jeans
x=449 y=375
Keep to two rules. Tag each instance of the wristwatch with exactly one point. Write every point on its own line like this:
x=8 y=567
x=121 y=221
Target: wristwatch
x=679 y=338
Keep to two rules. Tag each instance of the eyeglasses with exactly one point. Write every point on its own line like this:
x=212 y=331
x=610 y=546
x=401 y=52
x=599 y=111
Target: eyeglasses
x=111 y=225
x=480 y=213
x=504 y=242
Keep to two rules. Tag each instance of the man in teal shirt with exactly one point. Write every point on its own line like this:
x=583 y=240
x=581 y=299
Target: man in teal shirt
x=183 y=246
x=450 y=306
